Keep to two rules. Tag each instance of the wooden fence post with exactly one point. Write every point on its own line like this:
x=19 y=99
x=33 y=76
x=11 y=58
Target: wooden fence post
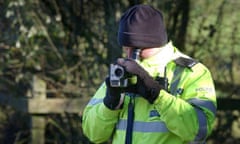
x=37 y=129
x=37 y=120
x=37 y=105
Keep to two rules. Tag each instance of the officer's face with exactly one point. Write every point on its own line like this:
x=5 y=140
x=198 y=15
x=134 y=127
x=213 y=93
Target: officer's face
x=145 y=52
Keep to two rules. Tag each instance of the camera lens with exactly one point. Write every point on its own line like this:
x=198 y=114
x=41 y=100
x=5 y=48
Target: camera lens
x=119 y=72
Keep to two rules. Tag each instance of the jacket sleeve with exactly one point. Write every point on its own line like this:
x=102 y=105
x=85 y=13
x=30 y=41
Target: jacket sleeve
x=191 y=114
x=98 y=121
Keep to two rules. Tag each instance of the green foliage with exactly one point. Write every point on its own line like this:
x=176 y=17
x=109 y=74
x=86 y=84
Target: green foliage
x=65 y=129
x=213 y=33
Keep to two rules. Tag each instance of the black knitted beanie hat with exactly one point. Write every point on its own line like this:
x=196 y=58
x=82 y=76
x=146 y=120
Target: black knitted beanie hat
x=142 y=26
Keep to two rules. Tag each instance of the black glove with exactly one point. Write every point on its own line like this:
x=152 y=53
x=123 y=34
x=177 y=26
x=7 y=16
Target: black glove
x=113 y=95
x=146 y=86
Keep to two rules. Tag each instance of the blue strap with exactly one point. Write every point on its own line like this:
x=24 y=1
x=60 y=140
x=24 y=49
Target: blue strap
x=130 y=120
x=176 y=78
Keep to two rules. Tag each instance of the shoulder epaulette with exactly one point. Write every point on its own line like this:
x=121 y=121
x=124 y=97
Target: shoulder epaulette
x=186 y=62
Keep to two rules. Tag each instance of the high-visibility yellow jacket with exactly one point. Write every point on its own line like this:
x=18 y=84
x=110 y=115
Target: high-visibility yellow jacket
x=183 y=114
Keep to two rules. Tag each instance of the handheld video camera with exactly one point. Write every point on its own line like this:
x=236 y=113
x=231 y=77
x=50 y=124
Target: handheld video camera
x=118 y=76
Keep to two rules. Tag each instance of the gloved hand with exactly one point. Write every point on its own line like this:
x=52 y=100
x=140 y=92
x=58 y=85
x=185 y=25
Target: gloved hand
x=146 y=86
x=112 y=100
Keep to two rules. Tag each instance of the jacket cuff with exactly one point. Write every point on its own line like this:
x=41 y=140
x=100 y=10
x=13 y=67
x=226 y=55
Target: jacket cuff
x=106 y=112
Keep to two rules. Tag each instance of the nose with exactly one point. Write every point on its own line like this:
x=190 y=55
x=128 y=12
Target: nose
x=129 y=51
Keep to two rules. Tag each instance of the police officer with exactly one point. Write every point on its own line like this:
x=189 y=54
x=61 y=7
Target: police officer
x=173 y=100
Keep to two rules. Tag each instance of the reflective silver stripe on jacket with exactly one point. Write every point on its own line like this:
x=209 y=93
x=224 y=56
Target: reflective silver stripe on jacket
x=203 y=103
x=202 y=119
x=140 y=126
x=202 y=124
x=94 y=101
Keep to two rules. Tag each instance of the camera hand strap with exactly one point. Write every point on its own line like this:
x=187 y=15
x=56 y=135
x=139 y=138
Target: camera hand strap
x=130 y=120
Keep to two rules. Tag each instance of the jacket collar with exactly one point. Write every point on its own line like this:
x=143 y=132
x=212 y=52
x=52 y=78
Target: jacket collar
x=155 y=64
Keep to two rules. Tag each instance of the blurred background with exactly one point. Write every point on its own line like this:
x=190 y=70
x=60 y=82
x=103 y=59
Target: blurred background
x=69 y=45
